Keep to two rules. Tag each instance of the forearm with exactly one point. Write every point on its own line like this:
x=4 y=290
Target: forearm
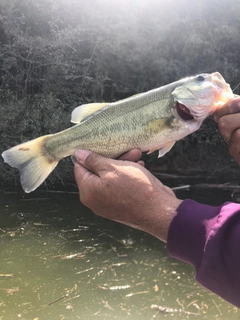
x=208 y=238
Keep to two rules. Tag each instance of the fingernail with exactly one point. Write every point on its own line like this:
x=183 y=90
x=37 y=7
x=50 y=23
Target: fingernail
x=74 y=160
x=81 y=155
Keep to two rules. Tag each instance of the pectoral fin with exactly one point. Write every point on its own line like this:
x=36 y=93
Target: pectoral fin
x=165 y=149
x=85 y=110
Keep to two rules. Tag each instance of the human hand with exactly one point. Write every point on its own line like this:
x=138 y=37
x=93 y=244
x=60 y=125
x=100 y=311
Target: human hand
x=228 y=119
x=126 y=192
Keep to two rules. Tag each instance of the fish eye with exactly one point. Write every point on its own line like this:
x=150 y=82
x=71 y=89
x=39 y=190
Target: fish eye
x=200 y=78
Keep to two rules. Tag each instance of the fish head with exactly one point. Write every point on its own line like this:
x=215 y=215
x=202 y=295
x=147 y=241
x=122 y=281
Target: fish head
x=201 y=95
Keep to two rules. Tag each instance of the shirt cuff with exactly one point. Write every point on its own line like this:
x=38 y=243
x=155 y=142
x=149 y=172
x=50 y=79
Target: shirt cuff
x=189 y=231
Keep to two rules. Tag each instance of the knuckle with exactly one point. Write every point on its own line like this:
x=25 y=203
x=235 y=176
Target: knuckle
x=233 y=153
x=82 y=196
x=223 y=126
x=222 y=123
x=85 y=199
x=235 y=106
x=234 y=147
x=236 y=136
x=92 y=159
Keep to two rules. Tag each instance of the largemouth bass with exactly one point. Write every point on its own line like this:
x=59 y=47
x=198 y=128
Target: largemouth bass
x=150 y=121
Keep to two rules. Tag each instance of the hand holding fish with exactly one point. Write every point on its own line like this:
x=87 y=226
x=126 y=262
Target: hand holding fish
x=126 y=192
x=228 y=119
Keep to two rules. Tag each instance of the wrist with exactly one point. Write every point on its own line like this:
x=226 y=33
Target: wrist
x=162 y=219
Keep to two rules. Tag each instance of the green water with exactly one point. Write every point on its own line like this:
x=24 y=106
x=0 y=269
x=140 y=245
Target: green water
x=60 y=261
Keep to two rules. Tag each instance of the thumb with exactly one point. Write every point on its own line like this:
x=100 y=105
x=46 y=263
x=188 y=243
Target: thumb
x=92 y=161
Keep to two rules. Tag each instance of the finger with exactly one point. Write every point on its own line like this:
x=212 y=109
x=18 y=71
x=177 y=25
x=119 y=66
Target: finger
x=232 y=106
x=142 y=163
x=87 y=183
x=132 y=155
x=93 y=162
x=81 y=174
x=227 y=125
x=234 y=147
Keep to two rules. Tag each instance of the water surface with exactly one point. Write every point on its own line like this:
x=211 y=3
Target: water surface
x=60 y=261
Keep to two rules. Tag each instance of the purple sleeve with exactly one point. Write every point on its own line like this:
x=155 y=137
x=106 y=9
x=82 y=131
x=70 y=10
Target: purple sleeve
x=209 y=238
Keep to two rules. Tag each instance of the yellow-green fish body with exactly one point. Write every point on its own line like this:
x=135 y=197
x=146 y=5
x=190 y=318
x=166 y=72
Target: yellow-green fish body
x=148 y=121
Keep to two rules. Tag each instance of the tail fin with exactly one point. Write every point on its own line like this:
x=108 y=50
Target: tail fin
x=30 y=160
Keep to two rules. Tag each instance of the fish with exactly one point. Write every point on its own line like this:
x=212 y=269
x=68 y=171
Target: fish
x=153 y=120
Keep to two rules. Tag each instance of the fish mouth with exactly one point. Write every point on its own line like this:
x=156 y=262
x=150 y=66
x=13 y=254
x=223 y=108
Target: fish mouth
x=183 y=112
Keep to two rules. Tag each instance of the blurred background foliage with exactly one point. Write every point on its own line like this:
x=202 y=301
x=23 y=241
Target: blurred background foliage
x=58 y=54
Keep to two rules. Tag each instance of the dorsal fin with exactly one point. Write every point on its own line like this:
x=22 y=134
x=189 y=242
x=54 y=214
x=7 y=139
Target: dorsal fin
x=85 y=110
